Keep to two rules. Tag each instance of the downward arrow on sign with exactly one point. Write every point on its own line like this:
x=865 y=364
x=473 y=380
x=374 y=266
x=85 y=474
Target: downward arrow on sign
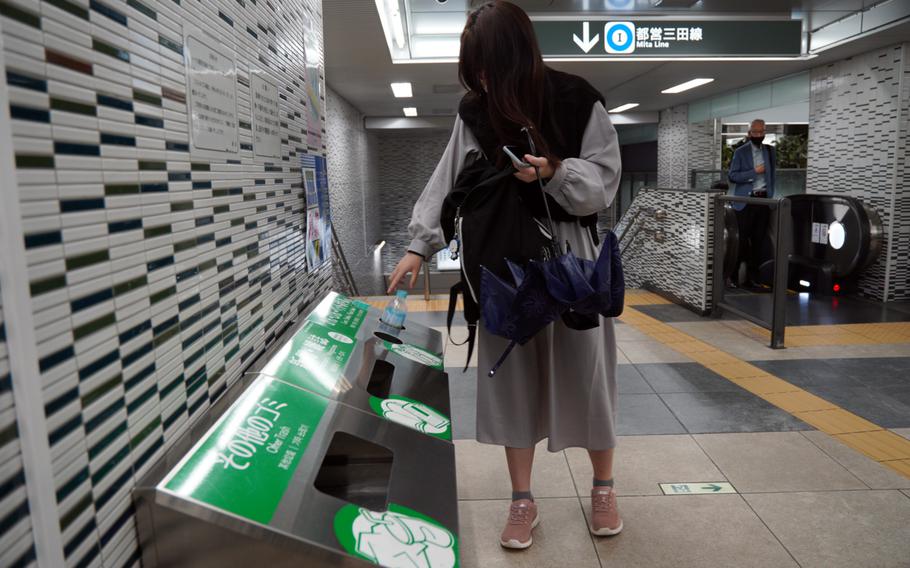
x=588 y=42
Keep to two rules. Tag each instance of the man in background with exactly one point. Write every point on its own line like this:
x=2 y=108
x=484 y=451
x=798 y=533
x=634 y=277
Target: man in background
x=752 y=173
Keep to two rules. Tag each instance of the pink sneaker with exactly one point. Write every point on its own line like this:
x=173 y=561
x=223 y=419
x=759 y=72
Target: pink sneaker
x=605 y=519
x=523 y=518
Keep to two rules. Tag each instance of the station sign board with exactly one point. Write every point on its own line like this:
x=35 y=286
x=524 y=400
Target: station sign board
x=605 y=38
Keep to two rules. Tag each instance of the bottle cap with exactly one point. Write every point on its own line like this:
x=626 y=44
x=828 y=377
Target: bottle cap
x=402 y=293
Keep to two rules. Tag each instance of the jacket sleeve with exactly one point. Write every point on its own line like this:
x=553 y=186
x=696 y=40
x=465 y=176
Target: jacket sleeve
x=424 y=229
x=738 y=172
x=587 y=184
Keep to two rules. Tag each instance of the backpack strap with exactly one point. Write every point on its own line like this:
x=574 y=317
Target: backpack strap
x=458 y=288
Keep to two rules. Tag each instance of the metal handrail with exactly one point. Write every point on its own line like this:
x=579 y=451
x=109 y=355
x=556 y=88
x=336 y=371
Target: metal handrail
x=347 y=275
x=782 y=251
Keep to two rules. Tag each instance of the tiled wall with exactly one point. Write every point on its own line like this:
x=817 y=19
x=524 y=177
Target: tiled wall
x=156 y=274
x=683 y=146
x=859 y=136
x=354 y=186
x=17 y=547
x=664 y=254
x=672 y=144
x=406 y=162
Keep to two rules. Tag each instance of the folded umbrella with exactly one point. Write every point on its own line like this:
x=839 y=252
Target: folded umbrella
x=546 y=290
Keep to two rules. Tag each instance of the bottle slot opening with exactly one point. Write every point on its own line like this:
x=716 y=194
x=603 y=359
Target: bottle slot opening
x=387 y=337
x=357 y=471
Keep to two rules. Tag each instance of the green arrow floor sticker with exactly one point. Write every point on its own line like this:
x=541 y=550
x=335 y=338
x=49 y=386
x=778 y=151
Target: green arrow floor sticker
x=697 y=488
x=417 y=354
x=397 y=538
x=413 y=414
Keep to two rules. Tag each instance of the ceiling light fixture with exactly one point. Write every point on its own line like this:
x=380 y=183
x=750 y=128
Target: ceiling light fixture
x=686 y=86
x=410 y=111
x=402 y=90
x=397 y=23
x=623 y=108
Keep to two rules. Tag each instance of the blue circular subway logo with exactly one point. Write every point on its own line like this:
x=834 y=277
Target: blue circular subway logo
x=619 y=37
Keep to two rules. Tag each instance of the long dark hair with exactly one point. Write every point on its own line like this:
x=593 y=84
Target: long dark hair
x=500 y=62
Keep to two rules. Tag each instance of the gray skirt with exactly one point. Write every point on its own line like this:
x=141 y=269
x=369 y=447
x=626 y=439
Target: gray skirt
x=561 y=385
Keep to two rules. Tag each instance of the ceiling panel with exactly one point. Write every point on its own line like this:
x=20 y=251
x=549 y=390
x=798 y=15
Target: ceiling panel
x=359 y=68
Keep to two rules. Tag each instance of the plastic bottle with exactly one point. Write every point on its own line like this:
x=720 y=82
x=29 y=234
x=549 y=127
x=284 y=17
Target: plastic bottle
x=396 y=311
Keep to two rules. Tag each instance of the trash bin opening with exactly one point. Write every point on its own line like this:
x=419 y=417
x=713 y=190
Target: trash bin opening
x=357 y=471
x=387 y=337
x=381 y=379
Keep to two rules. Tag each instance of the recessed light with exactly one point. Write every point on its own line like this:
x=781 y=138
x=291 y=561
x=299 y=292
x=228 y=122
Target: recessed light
x=402 y=90
x=686 y=86
x=410 y=111
x=623 y=108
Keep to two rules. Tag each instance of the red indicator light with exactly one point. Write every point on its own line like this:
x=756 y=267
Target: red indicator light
x=837 y=287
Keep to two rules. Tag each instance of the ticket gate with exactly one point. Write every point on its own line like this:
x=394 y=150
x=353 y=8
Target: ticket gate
x=835 y=238
x=336 y=452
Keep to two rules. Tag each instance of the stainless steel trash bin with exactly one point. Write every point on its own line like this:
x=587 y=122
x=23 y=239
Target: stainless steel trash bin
x=303 y=466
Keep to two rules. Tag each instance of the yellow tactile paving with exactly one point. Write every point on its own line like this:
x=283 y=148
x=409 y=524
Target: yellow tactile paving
x=880 y=445
x=415 y=304
x=642 y=298
x=798 y=401
x=860 y=434
x=836 y=421
x=900 y=466
x=844 y=334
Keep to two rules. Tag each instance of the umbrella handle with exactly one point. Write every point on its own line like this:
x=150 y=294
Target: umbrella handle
x=502 y=359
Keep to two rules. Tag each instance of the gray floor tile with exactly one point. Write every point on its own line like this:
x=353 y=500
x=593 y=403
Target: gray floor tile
x=670 y=313
x=808 y=373
x=434 y=319
x=645 y=414
x=906 y=492
x=839 y=528
x=561 y=538
x=877 y=371
x=641 y=463
x=626 y=332
x=775 y=461
x=684 y=377
x=877 y=406
x=696 y=531
x=483 y=474
x=707 y=412
x=630 y=381
x=464 y=424
x=905 y=432
x=650 y=352
x=462 y=384
x=867 y=470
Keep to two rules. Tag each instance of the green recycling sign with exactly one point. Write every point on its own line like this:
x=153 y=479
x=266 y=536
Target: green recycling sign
x=340 y=313
x=244 y=464
x=314 y=358
x=398 y=538
x=413 y=414
x=416 y=354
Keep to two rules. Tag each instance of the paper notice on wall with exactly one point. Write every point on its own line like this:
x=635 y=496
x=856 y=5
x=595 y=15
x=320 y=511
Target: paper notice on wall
x=265 y=110
x=211 y=93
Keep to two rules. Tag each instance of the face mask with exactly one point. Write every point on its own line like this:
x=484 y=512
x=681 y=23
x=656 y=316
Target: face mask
x=757 y=140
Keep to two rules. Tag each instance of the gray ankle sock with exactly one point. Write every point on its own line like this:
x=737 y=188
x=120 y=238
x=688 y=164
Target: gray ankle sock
x=603 y=482
x=516 y=495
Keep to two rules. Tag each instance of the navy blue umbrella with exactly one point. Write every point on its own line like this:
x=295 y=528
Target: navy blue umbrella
x=546 y=290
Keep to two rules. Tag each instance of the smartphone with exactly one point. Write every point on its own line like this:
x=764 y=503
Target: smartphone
x=512 y=152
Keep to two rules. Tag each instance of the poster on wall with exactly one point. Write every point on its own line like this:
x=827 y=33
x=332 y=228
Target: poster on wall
x=318 y=215
x=211 y=74
x=314 y=88
x=265 y=119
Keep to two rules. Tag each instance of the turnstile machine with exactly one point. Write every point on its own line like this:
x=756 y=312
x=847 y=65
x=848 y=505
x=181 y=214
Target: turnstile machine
x=336 y=452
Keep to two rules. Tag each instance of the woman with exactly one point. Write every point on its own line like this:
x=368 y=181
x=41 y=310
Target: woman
x=561 y=385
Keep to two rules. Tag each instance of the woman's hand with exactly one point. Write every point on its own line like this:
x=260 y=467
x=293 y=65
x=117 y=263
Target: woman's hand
x=411 y=262
x=528 y=175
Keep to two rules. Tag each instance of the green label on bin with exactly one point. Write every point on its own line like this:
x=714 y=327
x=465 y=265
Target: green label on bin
x=417 y=354
x=314 y=358
x=413 y=414
x=244 y=463
x=340 y=313
x=397 y=537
